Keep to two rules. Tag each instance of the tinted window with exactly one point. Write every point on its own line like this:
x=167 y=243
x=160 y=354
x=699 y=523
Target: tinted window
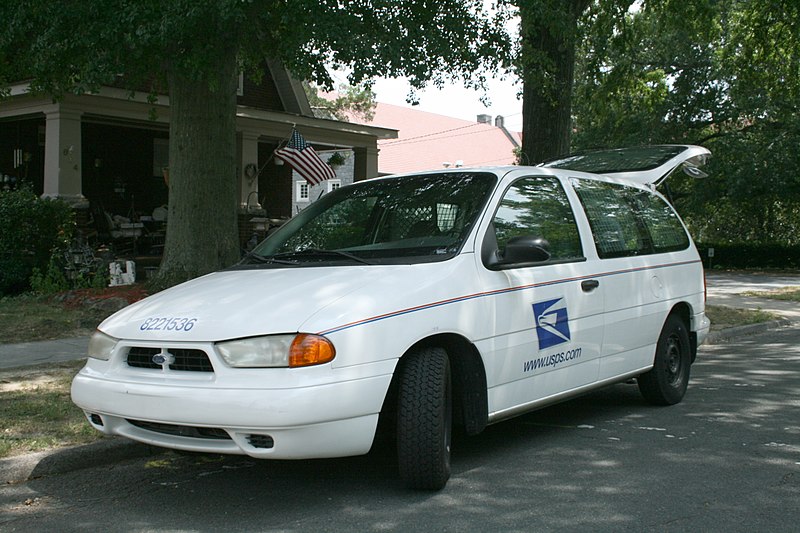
x=627 y=221
x=619 y=160
x=666 y=230
x=539 y=207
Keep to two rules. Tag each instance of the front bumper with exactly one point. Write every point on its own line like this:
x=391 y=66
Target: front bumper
x=306 y=413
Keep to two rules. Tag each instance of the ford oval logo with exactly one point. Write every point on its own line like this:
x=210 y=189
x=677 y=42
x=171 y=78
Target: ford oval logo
x=159 y=359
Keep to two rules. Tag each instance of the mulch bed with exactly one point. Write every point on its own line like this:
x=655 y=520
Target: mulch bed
x=109 y=298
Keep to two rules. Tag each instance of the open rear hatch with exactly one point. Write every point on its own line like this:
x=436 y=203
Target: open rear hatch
x=648 y=165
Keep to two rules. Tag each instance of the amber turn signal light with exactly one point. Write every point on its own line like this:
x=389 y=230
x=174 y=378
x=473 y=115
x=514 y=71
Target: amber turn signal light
x=307 y=350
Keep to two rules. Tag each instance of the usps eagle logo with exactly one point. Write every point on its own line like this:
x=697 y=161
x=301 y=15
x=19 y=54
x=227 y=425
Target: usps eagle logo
x=552 y=322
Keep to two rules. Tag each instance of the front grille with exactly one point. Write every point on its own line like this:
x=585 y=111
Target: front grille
x=143 y=357
x=188 y=360
x=182 y=431
x=260 y=441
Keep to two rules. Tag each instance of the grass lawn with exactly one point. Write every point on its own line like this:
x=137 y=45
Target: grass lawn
x=76 y=313
x=788 y=294
x=36 y=412
x=727 y=317
x=31 y=318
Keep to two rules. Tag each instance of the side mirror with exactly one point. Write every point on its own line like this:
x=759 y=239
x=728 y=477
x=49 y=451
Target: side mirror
x=520 y=251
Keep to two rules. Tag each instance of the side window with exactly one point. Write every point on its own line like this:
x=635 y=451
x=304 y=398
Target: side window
x=539 y=207
x=665 y=228
x=616 y=230
x=626 y=221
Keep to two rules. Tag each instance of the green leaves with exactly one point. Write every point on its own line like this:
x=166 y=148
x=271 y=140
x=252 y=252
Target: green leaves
x=31 y=229
x=78 y=46
x=725 y=74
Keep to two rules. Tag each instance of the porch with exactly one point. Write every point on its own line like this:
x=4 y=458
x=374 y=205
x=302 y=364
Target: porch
x=107 y=155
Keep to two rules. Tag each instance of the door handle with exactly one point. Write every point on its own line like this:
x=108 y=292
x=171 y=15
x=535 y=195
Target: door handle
x=589 y=285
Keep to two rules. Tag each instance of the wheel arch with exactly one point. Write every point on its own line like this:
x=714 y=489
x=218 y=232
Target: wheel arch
x=684 y=311
x=468 y=375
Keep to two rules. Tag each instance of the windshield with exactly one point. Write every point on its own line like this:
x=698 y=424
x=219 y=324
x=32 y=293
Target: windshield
x=619 y=160
x=407 y=219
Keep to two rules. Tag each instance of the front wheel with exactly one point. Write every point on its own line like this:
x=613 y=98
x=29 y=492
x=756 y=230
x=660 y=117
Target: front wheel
x=666 y=382
x=424 y=419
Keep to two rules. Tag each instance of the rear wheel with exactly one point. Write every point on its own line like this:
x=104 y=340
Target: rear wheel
x=424 y=419
x=666 y=382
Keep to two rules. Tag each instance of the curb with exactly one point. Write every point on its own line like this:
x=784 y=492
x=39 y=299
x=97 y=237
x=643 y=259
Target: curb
x=727 y=334
x=109 y=450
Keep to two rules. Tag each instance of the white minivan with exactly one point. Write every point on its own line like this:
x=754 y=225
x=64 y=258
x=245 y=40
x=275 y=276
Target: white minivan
x=452 y=297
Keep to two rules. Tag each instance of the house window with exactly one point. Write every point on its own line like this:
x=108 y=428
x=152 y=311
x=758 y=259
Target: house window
x=333 y=185
x=301 y=191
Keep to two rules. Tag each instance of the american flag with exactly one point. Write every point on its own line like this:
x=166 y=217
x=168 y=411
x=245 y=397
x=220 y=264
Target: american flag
x=304 y=160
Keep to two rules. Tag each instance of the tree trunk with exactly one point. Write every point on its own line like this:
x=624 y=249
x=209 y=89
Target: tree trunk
x=549 y=36
x=202 y=232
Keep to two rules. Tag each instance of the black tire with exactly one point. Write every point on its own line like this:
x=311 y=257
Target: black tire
x=666 y=382
x=424 y=419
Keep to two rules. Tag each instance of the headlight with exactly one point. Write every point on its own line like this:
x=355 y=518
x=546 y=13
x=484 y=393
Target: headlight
x=101 y=346
x=277 y=351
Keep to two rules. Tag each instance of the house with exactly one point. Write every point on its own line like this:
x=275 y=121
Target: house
x=107 y=156
x=425 y=141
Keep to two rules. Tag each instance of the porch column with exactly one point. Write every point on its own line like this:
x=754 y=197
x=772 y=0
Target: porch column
x=62 y=156
x=365 y=165
x=248 y=169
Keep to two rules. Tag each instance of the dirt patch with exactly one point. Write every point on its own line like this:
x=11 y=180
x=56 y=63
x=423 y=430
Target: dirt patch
x=42 y=374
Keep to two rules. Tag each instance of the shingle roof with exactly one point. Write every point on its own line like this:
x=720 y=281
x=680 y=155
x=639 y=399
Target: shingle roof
x=427 y=140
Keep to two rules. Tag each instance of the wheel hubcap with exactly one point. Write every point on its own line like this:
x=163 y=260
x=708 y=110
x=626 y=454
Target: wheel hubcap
x=673 y=360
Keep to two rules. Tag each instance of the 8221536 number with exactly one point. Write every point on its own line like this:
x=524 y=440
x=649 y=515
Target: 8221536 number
x=168 y=324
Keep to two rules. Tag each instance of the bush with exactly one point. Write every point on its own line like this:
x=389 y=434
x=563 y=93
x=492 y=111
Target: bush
x=61 y=276
x=746 y=255
x=32 y=230
x=50 y=281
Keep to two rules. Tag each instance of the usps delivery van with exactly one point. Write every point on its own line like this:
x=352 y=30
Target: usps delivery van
x=453 y=297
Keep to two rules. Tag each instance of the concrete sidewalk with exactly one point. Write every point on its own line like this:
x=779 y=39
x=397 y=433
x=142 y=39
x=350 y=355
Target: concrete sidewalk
x=34 y=353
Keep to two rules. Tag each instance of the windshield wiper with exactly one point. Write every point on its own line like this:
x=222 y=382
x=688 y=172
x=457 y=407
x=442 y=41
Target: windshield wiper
x=260 y=259
x=320 y=252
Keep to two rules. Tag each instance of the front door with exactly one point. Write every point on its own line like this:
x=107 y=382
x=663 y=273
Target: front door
x=547 y=317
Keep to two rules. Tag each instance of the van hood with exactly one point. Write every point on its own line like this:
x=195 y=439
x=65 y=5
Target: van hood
x=235 y=304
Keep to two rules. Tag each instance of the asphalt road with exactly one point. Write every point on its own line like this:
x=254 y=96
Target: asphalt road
x=726 y=459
